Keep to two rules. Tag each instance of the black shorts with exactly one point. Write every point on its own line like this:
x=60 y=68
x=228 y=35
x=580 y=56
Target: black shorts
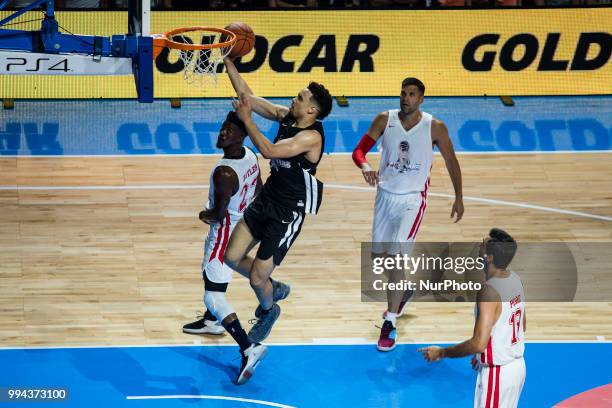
x=275 y=226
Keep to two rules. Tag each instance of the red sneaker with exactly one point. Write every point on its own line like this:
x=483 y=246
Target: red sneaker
x=388 y=334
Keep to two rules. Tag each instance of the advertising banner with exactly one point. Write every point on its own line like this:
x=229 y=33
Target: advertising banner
x=368 y=53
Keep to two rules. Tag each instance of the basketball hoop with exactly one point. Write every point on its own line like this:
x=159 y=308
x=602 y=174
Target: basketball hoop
x=200 y=49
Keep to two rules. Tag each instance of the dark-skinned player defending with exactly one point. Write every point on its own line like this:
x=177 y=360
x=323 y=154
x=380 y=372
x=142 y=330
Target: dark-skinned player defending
x=234 y=183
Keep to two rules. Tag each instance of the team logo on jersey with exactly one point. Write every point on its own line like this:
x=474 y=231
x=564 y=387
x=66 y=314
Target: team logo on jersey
x=253 y=170
x=402 y=164
x=275 y=164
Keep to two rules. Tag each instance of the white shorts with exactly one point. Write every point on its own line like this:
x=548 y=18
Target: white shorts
x=500 y=386
x=397 y=218
x=214 y=251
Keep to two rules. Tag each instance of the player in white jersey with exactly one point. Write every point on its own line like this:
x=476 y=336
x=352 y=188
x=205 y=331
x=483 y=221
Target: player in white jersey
x=234 y=182
x=498 y=342
x=407 y=138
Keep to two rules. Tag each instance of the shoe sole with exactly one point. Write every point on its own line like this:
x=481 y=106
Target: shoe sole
x=204 y=331
x=381 y=348
x=248 y=371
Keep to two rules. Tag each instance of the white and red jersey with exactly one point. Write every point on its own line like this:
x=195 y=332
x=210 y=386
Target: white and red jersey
x=507 y=341
x=247 y=171
x=407 y=155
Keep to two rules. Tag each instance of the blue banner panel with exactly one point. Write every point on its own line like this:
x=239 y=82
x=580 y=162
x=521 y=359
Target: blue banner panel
x=477 y=125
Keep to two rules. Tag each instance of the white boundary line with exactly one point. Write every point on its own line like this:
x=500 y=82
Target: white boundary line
x=461 y=153
x=208 y=397
x=332 y=342
x=492 y=152
x=333 y=186
x=489 y=201
x=133 y=187
x=213 y=397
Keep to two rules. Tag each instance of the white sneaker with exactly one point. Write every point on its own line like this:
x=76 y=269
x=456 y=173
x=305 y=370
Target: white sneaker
x=204 y=326
x=250 y=360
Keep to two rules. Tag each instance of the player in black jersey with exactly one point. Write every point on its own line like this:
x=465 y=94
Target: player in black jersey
x=275 y=217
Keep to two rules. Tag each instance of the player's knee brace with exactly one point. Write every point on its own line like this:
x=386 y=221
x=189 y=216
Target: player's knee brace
x=217 y=304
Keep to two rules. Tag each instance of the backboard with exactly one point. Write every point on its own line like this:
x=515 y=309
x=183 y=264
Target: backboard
x=49 y=51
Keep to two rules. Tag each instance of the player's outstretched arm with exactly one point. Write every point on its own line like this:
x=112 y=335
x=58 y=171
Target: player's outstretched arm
x=304 y=142
x=440 y=137
x=488 y=309
x=226 y=184
x=261 y=106
x=365 y=145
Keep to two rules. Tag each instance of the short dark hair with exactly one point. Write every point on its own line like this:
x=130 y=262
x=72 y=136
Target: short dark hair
x=414 y=81
x=232 y=117
x=502 y=246
x=322 y=97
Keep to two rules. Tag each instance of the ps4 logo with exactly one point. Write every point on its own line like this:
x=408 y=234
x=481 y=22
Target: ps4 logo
x=20 y=65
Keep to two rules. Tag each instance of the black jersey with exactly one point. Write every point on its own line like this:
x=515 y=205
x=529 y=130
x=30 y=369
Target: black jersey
x=292 y=183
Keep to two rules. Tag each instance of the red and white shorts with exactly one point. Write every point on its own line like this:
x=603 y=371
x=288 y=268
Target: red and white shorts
x=397 y=218
x=500 y=386
x=214 y=251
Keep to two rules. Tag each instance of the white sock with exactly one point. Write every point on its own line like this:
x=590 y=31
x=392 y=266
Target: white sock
x=391 y=317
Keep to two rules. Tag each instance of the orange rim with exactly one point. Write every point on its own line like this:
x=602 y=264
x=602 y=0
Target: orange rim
x=163 y=40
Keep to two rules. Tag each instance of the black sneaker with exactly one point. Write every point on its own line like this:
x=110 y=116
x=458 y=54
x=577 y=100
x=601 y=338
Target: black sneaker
x=263 y=323
x=250 y=360
x=204 y=325
x=280 y=290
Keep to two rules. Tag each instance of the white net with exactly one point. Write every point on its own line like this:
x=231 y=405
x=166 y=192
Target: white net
x=200 y=66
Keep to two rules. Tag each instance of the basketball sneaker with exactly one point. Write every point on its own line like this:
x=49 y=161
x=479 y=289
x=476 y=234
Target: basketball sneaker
x=406 y=299
x=207 y=324
x=263 y=323
x=388 y=334
x=280 y=290
x=250 y=360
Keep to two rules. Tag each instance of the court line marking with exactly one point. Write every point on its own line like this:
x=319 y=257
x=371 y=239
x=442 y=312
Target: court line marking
x=490 y=201
x=113 y=187
x=339 y=342
x=209 y=397
x=458 y=153
x=331 y=185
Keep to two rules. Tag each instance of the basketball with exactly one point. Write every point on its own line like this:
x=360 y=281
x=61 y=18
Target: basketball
x=245 y=39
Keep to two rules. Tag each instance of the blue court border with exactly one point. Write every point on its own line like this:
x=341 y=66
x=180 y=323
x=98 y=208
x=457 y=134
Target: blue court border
x=292 y=375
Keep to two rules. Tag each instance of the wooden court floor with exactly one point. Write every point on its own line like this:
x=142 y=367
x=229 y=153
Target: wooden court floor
x=115 y=258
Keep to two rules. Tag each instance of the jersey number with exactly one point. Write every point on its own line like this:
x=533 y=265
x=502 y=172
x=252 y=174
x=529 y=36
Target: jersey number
x=515 y=322
x=243 y=194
